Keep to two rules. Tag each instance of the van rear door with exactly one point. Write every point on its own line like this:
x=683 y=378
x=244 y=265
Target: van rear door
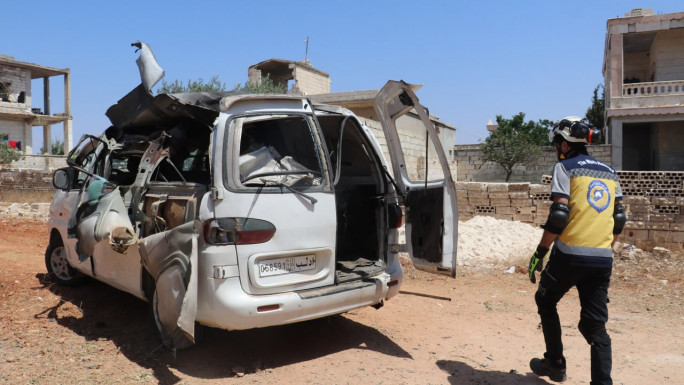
x=427 y=185
x=274 y=195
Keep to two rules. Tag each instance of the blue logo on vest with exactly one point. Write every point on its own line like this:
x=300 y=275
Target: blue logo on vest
x=598 y=195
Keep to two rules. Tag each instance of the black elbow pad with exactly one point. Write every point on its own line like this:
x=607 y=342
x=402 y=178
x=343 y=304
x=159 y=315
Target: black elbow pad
x=620 y=219
x=558 y=218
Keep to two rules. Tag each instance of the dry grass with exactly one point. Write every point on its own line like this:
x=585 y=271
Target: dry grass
x=25 y=196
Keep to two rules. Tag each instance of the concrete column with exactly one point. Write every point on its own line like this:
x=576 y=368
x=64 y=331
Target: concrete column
x=47 y=140
x=616 y=142
x=47 y=134
x=68 y=130
x=615 y=74
x=28 y=137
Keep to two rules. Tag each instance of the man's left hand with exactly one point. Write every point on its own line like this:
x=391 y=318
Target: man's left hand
x=536 y=262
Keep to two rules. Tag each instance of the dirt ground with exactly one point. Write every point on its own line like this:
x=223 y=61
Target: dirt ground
x=485 y=334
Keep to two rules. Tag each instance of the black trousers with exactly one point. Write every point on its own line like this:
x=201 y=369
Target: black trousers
x=592 y=285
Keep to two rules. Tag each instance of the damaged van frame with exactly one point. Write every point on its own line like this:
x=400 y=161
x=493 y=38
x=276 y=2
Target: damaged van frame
x=240 y=211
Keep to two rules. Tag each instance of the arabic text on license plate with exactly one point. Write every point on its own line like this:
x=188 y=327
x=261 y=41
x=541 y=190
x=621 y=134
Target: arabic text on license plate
x=279 y=266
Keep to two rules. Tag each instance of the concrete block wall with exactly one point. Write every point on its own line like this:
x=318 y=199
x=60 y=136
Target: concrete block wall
x=20 y=80
x=40 y=162
x=655 y=208
x=523 y=202
x=14 y=130
x=310 y=82
x=654 y=203
x=470 y=168
x=26 y=185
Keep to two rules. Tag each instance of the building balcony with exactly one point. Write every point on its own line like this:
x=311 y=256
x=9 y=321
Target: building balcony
x=649 y=95
x=653 y=89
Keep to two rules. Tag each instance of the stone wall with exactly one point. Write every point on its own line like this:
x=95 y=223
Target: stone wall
x=469 y=166
x=40 y=162
x=26 y=185
x=654 y=202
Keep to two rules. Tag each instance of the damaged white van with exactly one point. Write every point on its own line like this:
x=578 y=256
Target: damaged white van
x=241 y=211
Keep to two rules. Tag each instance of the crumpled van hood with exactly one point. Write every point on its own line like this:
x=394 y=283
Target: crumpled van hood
x=138 y=109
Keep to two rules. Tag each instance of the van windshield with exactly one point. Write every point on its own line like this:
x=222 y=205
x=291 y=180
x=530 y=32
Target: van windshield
x=278 y=150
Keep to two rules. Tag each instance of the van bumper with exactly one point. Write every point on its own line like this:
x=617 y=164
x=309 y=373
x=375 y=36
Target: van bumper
x=222 y=303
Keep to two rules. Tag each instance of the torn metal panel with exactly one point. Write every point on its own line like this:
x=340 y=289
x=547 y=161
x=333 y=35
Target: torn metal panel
x=125 y=110
x=171 y=258
x=98 y=219
x=150 y=71
x=138 y=109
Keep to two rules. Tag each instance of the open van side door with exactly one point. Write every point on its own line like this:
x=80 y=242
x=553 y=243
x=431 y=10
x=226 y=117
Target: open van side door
x=428 y=188
x=100 y=221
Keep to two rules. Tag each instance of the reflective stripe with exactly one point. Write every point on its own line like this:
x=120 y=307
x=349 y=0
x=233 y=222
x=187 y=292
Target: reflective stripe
x=582 y=250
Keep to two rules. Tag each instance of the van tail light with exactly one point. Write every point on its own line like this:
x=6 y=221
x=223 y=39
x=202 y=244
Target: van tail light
x=395 y=218
x=237 y=231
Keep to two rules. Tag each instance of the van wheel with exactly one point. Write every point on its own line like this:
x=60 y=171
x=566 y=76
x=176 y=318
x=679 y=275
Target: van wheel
x=174 y=339
x=58 y=266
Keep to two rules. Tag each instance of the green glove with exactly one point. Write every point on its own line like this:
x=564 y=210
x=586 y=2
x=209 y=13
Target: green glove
x=536 y=262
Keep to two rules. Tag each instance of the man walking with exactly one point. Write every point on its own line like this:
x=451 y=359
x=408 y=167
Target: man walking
x=584 y=220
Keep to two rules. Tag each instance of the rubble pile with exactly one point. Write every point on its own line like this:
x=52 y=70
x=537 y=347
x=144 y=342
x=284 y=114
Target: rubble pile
x=30 y=211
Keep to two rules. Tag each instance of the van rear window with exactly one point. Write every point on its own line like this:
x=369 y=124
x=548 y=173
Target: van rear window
x=278 y=150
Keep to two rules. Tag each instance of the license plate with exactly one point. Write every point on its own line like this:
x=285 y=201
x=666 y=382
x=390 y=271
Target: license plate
x=280 y=266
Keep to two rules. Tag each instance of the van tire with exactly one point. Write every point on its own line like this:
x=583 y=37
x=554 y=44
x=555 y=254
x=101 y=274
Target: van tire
x=57 y=265
x=172 y=339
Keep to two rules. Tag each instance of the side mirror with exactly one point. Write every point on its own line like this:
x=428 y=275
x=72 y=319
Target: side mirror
x=61 y=179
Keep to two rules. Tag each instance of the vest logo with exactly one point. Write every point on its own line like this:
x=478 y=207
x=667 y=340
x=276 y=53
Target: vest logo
x=598 y=195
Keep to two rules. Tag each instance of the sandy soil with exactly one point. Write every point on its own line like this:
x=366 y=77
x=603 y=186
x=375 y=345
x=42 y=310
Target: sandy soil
x=485 y=333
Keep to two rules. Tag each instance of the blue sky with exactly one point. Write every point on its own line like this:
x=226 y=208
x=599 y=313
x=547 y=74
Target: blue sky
x=476 y=60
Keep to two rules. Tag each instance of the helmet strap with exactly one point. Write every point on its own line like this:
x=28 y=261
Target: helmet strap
x=564 y=155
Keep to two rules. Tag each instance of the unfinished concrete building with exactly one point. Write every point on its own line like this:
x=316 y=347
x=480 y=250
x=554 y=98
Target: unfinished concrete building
x=17 y=115
x=643 y=71
x=299 y=78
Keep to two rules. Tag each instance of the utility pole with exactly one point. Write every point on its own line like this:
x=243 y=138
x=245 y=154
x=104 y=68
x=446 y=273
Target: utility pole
x=306 y=54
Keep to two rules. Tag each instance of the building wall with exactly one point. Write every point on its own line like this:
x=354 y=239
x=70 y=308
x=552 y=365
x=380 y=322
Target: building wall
x=310 y=82
x=666 y=55
x=470 y=168
x=412 y=136
x=20 y=80
x=14 y=130
x=669 y=139
x=638 y=65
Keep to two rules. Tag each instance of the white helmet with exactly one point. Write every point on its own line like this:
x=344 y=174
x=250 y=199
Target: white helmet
x=576 y=130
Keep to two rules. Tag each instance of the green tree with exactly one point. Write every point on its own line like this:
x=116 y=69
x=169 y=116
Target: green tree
x=515 y=142
x=177 y=87
x=266 y=86
x=8 y=154
x=596 y=112
x=57 y=147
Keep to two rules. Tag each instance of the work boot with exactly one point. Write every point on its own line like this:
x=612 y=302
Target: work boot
x=546 y=367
